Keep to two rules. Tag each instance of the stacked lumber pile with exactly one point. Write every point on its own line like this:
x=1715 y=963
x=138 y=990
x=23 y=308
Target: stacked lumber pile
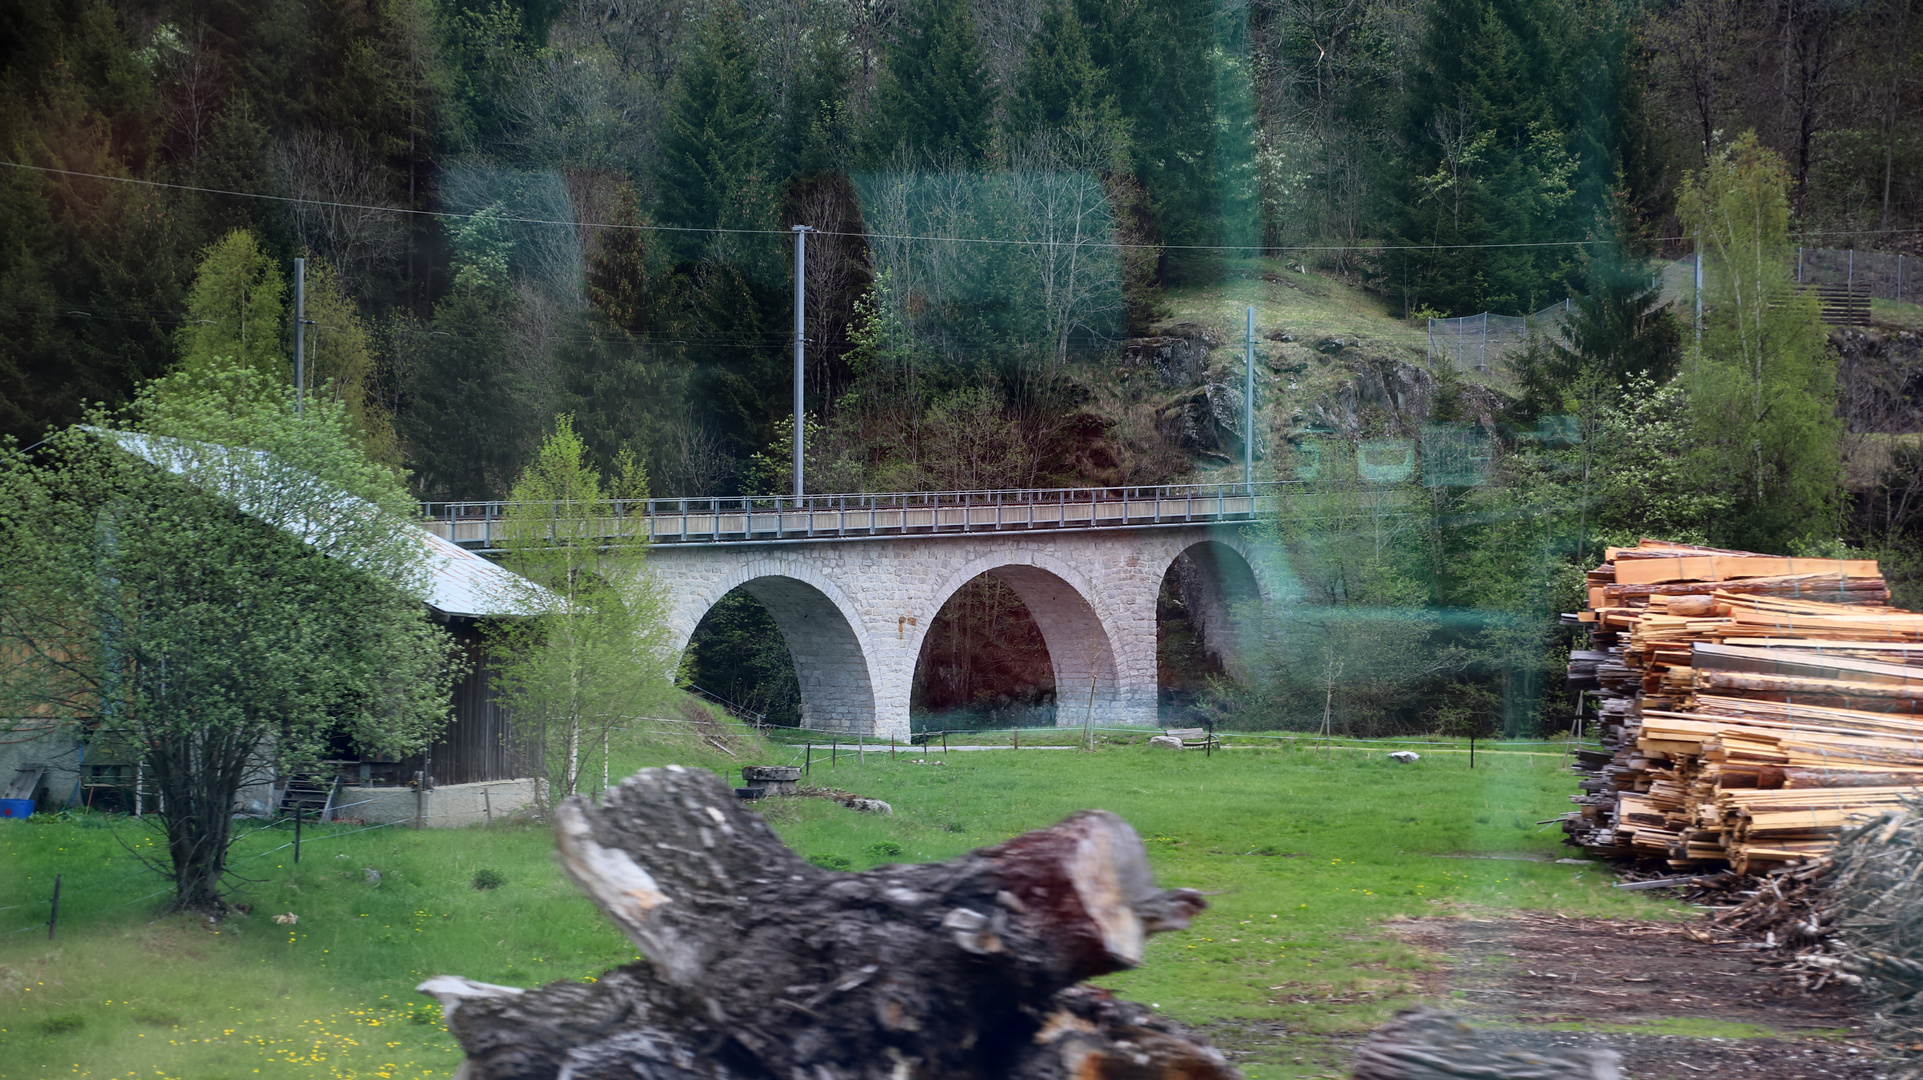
x=1750 y=706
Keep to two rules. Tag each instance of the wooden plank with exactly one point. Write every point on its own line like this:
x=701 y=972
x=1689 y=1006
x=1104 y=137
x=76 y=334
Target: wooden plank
x=1722 y=567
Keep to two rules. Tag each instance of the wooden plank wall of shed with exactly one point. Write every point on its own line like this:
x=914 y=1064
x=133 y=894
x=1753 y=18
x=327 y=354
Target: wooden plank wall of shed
x=482 y=742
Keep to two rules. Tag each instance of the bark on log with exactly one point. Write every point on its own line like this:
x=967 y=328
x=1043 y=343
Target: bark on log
x=759 y=964
x=1425 y=1044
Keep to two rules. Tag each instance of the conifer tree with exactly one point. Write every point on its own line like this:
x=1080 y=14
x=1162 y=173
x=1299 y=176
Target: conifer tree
x=935 y=101
x=626 y=383
x=1060 y=89
x=819 y=132
x=468 y=419
x=716 y=168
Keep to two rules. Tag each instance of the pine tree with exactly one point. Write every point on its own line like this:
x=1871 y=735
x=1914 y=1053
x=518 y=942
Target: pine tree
x=625 y=382
x=1499 y=150
x=1178 y=69
x=1618 y=330
x=935 y=102
x=716 y=169
x=469 y=419
x=818 y=133
x=1060 y=90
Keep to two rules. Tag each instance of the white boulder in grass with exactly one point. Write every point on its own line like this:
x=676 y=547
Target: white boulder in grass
x=1166 y=742
x=1405 y=756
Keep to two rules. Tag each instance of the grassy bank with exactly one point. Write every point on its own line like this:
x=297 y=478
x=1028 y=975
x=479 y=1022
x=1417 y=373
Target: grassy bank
x=1305 y=855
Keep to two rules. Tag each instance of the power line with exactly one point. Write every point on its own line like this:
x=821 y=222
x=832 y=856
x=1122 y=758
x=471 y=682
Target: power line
x=450 y=215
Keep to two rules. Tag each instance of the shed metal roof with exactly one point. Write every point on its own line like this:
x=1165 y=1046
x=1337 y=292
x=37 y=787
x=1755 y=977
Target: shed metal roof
x=460 y=583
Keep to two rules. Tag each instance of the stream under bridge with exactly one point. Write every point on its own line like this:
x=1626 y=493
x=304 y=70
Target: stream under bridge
x=855 y=581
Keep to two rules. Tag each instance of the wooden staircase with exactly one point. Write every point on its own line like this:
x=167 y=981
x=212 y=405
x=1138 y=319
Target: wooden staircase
x=312 y=796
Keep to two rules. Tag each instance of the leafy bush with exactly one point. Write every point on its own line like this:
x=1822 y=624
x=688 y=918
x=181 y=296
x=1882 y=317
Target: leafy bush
x=64 y=1024
x=488 y=879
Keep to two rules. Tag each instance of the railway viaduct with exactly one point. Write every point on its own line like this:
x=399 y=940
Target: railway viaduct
x=854 y=582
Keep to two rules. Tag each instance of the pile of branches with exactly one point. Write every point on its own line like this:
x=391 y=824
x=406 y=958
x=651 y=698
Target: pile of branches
x=1856 y=918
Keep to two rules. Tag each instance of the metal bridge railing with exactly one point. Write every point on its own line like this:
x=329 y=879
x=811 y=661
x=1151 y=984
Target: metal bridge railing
x=786 y=518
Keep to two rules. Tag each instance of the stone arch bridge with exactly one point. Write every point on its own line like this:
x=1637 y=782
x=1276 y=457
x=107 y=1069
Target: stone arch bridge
x=855 y=581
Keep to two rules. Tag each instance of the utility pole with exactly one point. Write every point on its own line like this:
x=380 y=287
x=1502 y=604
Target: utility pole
x=801 y=344
x=1699 y=291
x=300 y=335
x=1248 y=407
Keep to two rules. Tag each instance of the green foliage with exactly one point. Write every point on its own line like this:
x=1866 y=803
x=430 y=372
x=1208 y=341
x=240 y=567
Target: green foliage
x=935 y=103
x=224 y=587
x=1502 y=145
x=467 y=419
x=1365 y=635
x=589 y=654
x=717 y=163
x=1763 y=383
x=1061 y=91
x=626 y=389
x=341 y=365
x=1648 y=482
x=738 y=653
x=237 y=311
x=485 y=879
x=1182 y=83
x=1616 y=330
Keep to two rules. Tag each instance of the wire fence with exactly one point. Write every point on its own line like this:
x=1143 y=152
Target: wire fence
x=1485 y=341
x=1479 y=342
x=1878 y=275
x=1882 y=275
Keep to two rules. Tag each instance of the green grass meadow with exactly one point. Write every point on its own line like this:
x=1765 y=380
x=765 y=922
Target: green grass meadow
x=1305 y=855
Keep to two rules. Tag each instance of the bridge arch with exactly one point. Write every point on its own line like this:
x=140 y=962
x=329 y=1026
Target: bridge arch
x=820 y=626
x=1220 y=583
x=1063 y=604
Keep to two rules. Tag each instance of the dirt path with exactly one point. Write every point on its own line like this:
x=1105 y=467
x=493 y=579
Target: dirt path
x=1537 y=980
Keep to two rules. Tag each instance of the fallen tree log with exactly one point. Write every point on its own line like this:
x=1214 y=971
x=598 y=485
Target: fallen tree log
x=758 y=964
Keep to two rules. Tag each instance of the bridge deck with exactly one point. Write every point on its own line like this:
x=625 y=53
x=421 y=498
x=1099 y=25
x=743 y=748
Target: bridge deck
x=764 y=519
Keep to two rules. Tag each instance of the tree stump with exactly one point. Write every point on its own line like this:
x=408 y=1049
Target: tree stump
x=777 y=779
x=760 y=965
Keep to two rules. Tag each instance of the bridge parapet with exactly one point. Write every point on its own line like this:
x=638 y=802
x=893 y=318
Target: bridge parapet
x=790 y=519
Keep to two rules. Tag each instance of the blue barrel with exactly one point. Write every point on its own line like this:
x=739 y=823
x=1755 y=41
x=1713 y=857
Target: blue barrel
x=15 y=808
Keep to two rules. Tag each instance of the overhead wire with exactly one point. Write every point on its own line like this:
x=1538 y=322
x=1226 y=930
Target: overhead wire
x=1002 y=241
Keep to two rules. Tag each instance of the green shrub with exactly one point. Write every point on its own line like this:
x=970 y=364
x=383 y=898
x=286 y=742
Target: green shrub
x=832 y=862
x=64 y=1024
x=488 y=879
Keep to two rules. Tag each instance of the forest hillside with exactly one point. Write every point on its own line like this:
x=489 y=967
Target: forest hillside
x=1038 y=228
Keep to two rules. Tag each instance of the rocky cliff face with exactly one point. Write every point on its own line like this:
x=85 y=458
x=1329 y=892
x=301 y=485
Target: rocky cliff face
x=1879 y=385
x=1880 y=378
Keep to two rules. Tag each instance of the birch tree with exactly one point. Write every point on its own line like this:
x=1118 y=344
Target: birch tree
x=589 y=656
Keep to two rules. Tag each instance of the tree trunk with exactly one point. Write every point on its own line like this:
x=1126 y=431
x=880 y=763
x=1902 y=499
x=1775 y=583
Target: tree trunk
x=762 y=965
